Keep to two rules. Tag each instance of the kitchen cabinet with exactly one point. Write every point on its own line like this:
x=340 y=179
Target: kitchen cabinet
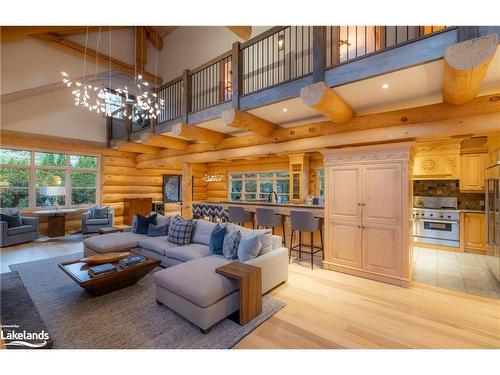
x=472 y=175
x=368 y=211
x=299 y=177
x=474 y=232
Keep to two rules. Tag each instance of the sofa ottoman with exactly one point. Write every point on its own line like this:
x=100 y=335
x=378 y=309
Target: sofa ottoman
x=108 y=243
x=195 y=291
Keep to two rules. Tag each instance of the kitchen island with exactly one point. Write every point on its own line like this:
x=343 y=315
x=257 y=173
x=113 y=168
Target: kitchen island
x=281 y=208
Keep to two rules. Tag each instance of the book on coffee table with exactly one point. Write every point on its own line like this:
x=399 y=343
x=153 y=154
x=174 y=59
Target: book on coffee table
x=131 y=261
x=102 y=269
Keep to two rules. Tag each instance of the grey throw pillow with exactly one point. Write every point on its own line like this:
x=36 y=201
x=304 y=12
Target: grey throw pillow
x=249 y=247
x=202 y=231
x=230 y=245
x=99 y=213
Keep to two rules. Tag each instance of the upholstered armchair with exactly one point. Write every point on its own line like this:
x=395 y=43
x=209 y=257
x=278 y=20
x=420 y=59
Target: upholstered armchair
x=26 y=232
x=93 y=225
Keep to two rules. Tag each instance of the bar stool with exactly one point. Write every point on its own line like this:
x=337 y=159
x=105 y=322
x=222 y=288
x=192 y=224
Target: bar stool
x=239 y=216
x=304 y=221
x=268 y=218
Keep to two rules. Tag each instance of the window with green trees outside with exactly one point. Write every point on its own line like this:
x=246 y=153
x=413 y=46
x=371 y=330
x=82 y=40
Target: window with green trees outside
x=32 y=179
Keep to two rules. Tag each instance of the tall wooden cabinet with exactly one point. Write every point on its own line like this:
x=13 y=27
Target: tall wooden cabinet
x=368 y=211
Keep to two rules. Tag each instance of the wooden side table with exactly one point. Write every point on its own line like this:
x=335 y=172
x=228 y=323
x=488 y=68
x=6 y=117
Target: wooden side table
x=250 y=284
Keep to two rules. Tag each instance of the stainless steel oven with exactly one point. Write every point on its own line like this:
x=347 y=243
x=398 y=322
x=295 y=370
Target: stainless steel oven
x=435 y=231
x=436 y=221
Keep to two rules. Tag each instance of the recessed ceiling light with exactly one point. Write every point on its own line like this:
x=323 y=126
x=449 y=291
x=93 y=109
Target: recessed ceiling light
x=385 y=86
x=285 y=109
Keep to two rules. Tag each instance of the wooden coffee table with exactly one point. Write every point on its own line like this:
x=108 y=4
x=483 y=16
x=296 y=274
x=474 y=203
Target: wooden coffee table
x=250 y=283
x=123 y=277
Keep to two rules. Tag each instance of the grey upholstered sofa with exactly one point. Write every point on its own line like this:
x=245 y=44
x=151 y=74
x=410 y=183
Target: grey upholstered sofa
x=93 y=225
x=24 y=233
x=189 y=285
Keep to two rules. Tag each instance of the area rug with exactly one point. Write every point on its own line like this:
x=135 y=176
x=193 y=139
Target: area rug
x=127 y=318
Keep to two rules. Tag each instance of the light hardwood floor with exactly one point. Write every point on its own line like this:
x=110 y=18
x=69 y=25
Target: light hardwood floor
x=326 y=309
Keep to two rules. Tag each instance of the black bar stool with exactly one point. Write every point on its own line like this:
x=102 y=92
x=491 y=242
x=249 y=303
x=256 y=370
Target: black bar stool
x=268 y=218
x=304 y=221
x=238 y=215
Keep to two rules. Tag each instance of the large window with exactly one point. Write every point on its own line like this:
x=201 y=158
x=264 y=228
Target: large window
x=31 y=179
x=257 y=186
x=14 y=178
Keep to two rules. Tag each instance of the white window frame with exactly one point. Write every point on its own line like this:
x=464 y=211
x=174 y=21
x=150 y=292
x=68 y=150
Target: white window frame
x=318 y=181
x=67 y=168
x=257 y=180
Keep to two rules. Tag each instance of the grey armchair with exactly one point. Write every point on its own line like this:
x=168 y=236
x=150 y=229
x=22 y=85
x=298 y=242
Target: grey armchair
x=24 y=233
x=93 y=225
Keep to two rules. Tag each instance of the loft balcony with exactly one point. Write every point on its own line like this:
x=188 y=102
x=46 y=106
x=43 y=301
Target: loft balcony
x=277 y=64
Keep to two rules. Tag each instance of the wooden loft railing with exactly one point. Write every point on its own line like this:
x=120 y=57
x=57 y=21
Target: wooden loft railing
x=275 y=65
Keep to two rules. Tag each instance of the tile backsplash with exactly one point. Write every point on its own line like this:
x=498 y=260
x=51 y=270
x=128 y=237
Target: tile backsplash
x=449 y=188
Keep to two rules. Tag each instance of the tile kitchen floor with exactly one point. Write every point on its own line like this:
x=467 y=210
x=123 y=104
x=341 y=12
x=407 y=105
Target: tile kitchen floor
x=465 y=272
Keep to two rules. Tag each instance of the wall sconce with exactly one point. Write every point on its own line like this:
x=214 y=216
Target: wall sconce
x=346 y=42
x=281 y=42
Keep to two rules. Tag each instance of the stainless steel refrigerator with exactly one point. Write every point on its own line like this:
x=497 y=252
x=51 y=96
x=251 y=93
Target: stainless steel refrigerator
x=492 y=201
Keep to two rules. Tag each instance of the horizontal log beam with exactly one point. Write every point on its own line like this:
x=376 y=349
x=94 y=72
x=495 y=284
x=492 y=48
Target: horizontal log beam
x=434 y=112
x=247 y=122
x=447 y=128
x=465 y=67
x=79 y=50
x=136 y=147
x=196 y=133
x=163 y=141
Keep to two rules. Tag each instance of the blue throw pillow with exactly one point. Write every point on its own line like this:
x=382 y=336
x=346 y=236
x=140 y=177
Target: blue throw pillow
x=230 y=245
x=217 y=239
x=142 y=223
x=156 y=231
x=180 y=230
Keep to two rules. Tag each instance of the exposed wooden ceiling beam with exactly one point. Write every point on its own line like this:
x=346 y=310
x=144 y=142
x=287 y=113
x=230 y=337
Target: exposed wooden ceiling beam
x=141 y=52
x=136 y=147
x=450 y=127
x=435 y=112
x=197 y=134
x=465 y=67
x=244 y=32
x=79 y=50
x=154 y=37
x=327 y=101
x=16 y=33
x=248 y=122
x=163 y=141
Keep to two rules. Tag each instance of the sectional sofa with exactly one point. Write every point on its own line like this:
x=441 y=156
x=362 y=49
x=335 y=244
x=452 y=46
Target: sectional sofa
x=189 y=284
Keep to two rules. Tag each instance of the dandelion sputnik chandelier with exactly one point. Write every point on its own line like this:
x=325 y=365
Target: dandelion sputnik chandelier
x=93 y=96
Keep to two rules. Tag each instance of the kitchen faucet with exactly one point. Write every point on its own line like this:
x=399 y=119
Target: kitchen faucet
x=269 y=197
